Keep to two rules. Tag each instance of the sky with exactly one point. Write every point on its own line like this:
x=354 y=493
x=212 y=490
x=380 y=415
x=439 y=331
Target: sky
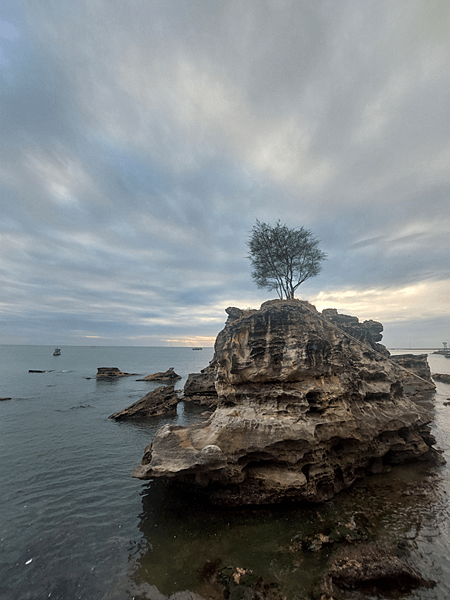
x=140 y=140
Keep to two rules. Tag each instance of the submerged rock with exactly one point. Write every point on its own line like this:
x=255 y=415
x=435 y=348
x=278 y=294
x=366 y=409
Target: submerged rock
x=236 y=583
x=304 y=410
x=370 y=569
x=162 y=401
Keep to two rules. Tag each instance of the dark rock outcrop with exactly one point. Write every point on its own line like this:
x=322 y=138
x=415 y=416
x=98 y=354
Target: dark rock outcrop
x=167 y=376
x=442 y=377
x=162 y=401
x=111 y=373
x=367 y=332
x=236 y=583
x=201 y=387
x=370 y=569
x=416 y=377
x=304 y=410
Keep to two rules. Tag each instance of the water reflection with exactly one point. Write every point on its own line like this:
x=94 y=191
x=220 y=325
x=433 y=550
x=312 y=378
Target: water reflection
x=406 y=508
x=291 y=545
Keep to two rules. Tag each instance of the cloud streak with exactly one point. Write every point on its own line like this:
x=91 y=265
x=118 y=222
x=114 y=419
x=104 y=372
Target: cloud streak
x=140 y=141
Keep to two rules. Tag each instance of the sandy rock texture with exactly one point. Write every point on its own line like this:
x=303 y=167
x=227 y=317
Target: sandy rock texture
x=111 y=373
x=304 y=410
x=162 y=401
x=168 y=376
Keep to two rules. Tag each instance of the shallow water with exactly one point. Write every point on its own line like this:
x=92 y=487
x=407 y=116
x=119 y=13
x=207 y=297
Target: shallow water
x=74 y=524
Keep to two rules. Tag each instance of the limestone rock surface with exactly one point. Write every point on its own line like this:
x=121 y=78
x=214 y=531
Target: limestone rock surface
x=442 y=377
x=201 y=387
x=304 y=410
x=110 y=373
x=416 y=377
x=167 y=376
x=373 y=570
x=367 y=332
x=162 y=401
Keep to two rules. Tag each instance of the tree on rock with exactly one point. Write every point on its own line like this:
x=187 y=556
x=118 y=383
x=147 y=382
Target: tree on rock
x=282 y=257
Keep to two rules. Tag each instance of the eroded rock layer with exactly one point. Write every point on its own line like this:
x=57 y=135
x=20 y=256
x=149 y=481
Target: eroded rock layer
x=304 y=410
x=201 y=387
x=162 y=401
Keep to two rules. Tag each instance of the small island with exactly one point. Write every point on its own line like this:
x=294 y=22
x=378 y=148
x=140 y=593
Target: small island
x=307 y=403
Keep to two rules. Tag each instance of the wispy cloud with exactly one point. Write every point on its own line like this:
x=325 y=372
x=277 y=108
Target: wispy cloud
x=139 y=143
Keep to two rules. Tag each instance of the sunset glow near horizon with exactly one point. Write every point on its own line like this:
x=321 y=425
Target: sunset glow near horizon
x=140 y=143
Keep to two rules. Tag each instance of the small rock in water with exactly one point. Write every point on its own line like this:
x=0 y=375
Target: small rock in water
x=372 y=569
x=442 y=377
x=162 y=401
x=168 y=375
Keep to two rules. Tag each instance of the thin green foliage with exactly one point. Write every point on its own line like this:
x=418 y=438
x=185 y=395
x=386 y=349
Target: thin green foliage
x=283 y=258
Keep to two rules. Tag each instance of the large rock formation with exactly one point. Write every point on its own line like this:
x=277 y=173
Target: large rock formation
x=200 y=388
x=367 y=332
x=167 y=376
x=305 y=409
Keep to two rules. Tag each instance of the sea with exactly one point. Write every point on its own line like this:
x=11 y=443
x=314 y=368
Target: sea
x=74 y=524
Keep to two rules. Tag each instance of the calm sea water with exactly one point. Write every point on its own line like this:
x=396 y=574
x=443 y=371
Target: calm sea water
x=74 y=524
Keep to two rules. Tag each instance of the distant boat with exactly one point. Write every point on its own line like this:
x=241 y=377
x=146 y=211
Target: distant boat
x=198 y=348
x=57 y=352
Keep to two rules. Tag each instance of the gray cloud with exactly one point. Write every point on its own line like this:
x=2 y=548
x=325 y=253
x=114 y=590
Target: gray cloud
x=140 y=141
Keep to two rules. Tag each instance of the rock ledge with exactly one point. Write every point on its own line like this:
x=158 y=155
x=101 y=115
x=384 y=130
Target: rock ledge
x=304 y=410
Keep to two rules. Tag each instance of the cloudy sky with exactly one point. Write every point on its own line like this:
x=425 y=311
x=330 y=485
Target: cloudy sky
x=141 y=139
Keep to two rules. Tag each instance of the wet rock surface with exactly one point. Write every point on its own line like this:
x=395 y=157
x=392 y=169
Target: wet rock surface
x=201 y=387
x=442 y=377
x=111 y=373
x=305 y=409
x=236 y=583
x=369 y=569
x=162 y=401
x=166 y=376
x=294 y=546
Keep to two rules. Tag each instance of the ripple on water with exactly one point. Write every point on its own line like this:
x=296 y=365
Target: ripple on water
x=70 y=506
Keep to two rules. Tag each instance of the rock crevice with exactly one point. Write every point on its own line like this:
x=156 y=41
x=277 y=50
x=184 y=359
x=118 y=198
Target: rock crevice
x=304 y=409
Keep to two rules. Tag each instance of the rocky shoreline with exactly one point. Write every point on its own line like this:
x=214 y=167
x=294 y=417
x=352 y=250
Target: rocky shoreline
x=307 y=403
